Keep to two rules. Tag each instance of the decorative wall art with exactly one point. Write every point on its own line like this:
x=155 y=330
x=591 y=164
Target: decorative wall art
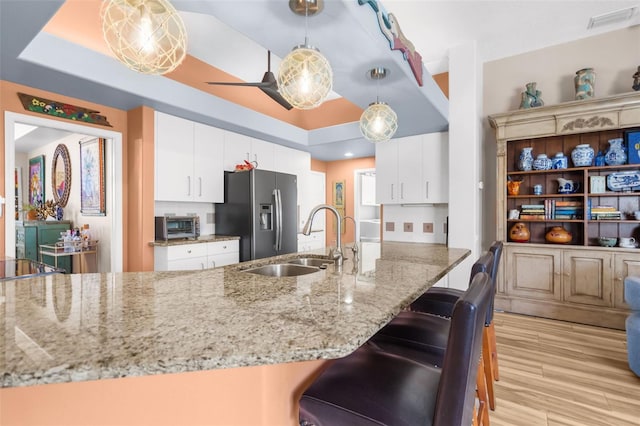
x=339 y=194
x=632 y=141
x=62 y=110
x=36 y=180
x=390 y=28
x=61 y=175
x=92 y=177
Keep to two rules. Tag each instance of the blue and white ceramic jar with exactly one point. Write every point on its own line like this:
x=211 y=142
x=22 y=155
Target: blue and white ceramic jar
x=542 y=162
x=560 y=161
x=582 y=155
x=615 y=155
x=526 y=159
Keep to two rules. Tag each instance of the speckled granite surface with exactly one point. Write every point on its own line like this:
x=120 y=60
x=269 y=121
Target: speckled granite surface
x=66 y=328
x=201 y=239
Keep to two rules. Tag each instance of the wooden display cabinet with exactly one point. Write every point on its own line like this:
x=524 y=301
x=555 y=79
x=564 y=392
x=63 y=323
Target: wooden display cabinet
x=579 y=281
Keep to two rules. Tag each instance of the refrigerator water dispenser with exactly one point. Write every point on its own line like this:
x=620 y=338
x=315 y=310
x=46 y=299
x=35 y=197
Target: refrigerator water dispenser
x=266 y=217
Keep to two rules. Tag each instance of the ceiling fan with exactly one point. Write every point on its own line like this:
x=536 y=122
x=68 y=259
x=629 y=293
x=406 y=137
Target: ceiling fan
x=268 y=85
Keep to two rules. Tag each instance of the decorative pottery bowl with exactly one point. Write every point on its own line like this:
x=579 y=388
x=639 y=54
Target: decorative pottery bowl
x=607 y=241
x=558 y=235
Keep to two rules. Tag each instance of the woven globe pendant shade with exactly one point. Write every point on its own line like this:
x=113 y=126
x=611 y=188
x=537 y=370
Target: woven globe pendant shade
x=378 y=123
x=147 y=36
x=305 y=77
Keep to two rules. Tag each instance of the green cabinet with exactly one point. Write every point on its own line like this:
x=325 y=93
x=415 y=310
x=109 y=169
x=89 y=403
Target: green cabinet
x=31 y=234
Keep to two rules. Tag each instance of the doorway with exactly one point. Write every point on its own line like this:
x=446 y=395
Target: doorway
x=366 y=210
x=113 y=192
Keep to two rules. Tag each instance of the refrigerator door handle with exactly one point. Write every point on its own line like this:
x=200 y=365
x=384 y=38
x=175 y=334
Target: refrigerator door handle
x=278 y=220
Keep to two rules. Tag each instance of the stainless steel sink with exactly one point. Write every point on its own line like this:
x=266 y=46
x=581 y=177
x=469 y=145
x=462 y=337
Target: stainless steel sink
x=283 y=270
x=311 y=261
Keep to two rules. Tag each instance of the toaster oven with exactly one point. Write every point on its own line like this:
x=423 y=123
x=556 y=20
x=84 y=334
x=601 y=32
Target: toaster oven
x=177 y=227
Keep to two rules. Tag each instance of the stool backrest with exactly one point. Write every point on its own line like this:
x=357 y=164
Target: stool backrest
x=456 y=391
x=485 y=264
x=496 y=249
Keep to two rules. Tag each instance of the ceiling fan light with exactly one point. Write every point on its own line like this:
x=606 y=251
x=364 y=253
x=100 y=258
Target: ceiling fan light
x=378 y=123
x=148 y=36
x=305 y=77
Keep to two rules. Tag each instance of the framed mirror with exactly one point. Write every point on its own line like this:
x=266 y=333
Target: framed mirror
x=61 y=175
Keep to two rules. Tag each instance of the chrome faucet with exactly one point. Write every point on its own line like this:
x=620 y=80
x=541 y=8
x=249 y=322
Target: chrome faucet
x=354 y=247
x=337 y=253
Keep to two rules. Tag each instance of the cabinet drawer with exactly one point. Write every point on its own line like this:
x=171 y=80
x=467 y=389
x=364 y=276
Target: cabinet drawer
x=186 y=250
x=222 y=247
x=223 y=259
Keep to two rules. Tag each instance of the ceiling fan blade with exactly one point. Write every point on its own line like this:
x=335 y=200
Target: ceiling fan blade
x=223 y=83
x=273 y=93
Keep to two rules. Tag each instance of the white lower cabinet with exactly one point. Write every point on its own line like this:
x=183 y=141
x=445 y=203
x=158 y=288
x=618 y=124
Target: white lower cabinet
x=184 y=257
x=222 y=253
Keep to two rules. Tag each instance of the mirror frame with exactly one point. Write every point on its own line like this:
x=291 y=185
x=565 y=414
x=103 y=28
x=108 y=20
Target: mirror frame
x=62 y=152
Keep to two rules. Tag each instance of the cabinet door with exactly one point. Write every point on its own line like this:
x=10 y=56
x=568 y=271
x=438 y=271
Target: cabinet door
x=587 y=277
x=237 y=148
x=435 y=168
x=368 y=190
x=263 y=153
x=624 y=264
x=188 y=264
x=410 y=170
x=207 y=164
x=387 y=172
x=532 y=272
x=31 y=243
x=174 y=158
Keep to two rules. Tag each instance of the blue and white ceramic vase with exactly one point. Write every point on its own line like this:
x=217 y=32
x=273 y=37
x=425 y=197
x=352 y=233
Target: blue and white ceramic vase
x=615 y=155
x=582 y=155
x=599 y=159
x=526 y=159
x=560 y=161
x=542 y=162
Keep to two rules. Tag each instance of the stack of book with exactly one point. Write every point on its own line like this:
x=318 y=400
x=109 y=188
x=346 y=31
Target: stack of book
x=532 y=211
x=566 y=209
x=605 y=213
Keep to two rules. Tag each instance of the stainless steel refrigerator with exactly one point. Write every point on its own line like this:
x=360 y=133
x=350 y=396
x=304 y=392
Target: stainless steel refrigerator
x=261 y=207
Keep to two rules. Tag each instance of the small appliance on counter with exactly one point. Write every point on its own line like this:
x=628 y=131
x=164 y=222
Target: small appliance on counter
x=177 y=227
x=261 y=207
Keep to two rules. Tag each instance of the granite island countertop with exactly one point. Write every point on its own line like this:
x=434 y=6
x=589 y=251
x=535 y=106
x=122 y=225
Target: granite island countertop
x=70 y=328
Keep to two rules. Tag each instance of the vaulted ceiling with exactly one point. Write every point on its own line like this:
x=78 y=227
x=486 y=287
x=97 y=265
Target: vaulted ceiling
x=57 y=46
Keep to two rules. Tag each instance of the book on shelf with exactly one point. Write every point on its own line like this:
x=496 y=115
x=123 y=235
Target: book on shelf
x=532 y=217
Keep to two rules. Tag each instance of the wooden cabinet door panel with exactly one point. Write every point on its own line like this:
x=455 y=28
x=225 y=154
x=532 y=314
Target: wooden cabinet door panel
x=624 y=264
x=532 y=273
x=587 y=277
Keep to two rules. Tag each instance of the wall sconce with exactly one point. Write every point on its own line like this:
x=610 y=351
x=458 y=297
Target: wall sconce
x=378 y=123
x=148 y=36
x=305 y=77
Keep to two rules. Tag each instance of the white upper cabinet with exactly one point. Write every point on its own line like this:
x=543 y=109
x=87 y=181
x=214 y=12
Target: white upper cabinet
x=413 y=170
x=435 y=167
x=188 y=160
x=239 y=148
x=207 y=165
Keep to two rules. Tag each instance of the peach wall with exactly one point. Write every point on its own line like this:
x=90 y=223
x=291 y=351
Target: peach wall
x=318 y=166
x=265 y=395
x=9 y=101
x=141 y=166
x=343 y=170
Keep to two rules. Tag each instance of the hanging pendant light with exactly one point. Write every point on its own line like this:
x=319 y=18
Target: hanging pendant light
x=305 y=77
x=147 y=36
x=378 y=123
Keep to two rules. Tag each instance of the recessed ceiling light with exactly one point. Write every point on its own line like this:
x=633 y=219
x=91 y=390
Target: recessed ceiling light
x=348 y=154
x=611 y=17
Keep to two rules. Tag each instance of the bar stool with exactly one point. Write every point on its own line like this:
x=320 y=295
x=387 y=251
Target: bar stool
x=423 y=337
x=439 y=301
x=374 y=387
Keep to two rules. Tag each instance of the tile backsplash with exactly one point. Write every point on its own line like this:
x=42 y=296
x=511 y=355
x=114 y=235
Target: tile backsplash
x=420 y=224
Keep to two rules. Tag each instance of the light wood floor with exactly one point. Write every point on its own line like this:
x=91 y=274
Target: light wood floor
x=559 y=373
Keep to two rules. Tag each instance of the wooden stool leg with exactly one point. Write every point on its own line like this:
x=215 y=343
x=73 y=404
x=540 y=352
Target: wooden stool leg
x=488 y=369
x=481 y=393
x=494 y=352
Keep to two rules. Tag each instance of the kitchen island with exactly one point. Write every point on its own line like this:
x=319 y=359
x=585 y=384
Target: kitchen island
x=218 y=346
